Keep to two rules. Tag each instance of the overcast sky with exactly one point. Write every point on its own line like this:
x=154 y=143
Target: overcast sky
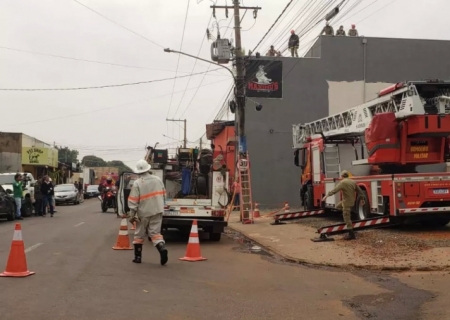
x=116 y=123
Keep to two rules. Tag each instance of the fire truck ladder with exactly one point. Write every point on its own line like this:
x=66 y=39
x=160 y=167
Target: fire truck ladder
x=280 y=217
x=401 y=99
x=246 y=203
x=378 y=222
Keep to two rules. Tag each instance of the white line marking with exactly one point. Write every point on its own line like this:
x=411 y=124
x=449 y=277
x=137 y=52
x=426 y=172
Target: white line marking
x=33 y=247
x=78 y=224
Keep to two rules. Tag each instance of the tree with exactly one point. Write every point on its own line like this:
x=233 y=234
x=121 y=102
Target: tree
x=67 y=155
x=93 y=161
x=119 y=164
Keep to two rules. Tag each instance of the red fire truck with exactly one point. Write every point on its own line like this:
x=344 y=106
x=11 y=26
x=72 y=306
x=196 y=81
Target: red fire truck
x=384 y=144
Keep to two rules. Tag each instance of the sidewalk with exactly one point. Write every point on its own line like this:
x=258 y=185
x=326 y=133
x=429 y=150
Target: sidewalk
x=374 y=249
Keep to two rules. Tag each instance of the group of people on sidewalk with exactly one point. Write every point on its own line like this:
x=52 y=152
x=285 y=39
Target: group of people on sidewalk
x=44 y=193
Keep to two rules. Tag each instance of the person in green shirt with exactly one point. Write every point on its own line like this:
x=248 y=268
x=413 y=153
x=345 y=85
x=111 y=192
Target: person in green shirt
x=18 y=194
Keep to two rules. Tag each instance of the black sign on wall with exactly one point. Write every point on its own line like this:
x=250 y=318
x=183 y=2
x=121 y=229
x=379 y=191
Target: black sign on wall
x=263 y=79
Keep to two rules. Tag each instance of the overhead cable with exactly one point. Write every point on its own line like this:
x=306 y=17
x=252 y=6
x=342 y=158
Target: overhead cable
x=105 y=86
x=118 y=24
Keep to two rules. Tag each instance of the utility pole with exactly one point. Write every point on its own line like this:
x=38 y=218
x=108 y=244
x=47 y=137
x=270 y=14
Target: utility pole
x=239 y=83
x=185 y=129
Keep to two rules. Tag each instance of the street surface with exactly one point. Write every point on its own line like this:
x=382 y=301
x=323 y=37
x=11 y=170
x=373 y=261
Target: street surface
x=79 y=276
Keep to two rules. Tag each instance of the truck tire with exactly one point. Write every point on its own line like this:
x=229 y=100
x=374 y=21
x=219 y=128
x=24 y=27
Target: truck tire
x=11 y=215
x=202 y=187
x=308 y=198
x=362 y=212
x=436 y=222
x=215 y=236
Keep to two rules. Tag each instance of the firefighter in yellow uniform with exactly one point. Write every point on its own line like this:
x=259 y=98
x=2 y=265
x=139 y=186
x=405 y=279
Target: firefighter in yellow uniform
x=349 y=188
x=146 y=203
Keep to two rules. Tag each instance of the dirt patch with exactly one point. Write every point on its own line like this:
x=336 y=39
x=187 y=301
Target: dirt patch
x=390 y=242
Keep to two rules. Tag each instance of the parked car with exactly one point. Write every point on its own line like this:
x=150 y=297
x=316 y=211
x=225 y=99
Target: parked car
x=91 y=192
x=66 y=193
x=7 y=179
x=27 y=208
x=7 y=205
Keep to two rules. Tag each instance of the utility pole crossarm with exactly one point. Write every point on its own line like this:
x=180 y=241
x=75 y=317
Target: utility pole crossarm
x=185 y=129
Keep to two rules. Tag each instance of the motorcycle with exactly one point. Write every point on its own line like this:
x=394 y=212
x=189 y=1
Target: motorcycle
x=108 y=199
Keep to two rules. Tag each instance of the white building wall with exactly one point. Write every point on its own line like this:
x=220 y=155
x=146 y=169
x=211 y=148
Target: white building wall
x=344 y=95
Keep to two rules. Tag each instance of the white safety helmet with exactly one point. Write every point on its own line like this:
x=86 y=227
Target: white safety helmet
x=142 y=166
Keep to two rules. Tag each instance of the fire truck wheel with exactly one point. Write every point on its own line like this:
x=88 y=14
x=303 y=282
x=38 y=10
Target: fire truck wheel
x=436 y=222
x=362 y=211
x=308 y=199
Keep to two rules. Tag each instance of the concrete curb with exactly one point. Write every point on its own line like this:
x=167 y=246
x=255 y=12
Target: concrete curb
x=312 y=263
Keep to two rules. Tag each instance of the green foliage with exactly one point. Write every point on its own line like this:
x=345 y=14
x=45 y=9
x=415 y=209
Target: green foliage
x=119 y=164
x=67 y=155
x=93 y=161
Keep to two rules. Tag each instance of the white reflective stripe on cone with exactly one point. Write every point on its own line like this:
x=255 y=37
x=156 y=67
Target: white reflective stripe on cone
x=193 y=240
x=124 y=222
x=194 y=229
x=17 y=235
x=123 y=232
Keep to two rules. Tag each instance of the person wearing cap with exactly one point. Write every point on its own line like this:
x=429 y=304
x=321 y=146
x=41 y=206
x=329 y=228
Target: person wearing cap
x=328 y=30
x=293 y=43
x=353 y=32
x=348 y=187
x=146 y=203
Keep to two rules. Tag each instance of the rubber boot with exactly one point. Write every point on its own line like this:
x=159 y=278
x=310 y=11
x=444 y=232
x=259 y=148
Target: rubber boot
x=350 y=236
x=137 y=253
x=162 y=252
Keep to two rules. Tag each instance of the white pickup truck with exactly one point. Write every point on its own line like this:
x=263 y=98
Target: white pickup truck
x=179 y=213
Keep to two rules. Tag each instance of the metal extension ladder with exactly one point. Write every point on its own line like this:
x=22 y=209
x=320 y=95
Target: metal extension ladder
x=246 y=201
x=332 y=161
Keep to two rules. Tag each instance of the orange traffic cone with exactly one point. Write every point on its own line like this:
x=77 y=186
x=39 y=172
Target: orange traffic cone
x=133 y=226
x=17 y=261
x=286 y=207
x=123 y=242
x=256 y=213
x=193 y=247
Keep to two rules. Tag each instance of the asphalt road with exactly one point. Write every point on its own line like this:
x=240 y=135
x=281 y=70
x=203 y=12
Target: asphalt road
x=79 y=276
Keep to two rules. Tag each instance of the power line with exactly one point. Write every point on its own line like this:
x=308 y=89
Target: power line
x=377 y=11
x=118 y=24
x=281 y=14
x=192 y=99
x=108 y=108
x=86 y=60
x=107 y=86
x=179 y=56
x=195 y=63
x=360 y=10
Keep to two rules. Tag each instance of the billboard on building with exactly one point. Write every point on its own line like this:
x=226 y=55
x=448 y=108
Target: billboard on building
x=38 y=156
x=264 y=79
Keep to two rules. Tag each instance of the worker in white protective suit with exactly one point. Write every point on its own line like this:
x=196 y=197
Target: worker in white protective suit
x=146 y=203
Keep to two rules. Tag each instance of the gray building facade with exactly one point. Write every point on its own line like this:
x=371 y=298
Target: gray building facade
x=336 y=74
